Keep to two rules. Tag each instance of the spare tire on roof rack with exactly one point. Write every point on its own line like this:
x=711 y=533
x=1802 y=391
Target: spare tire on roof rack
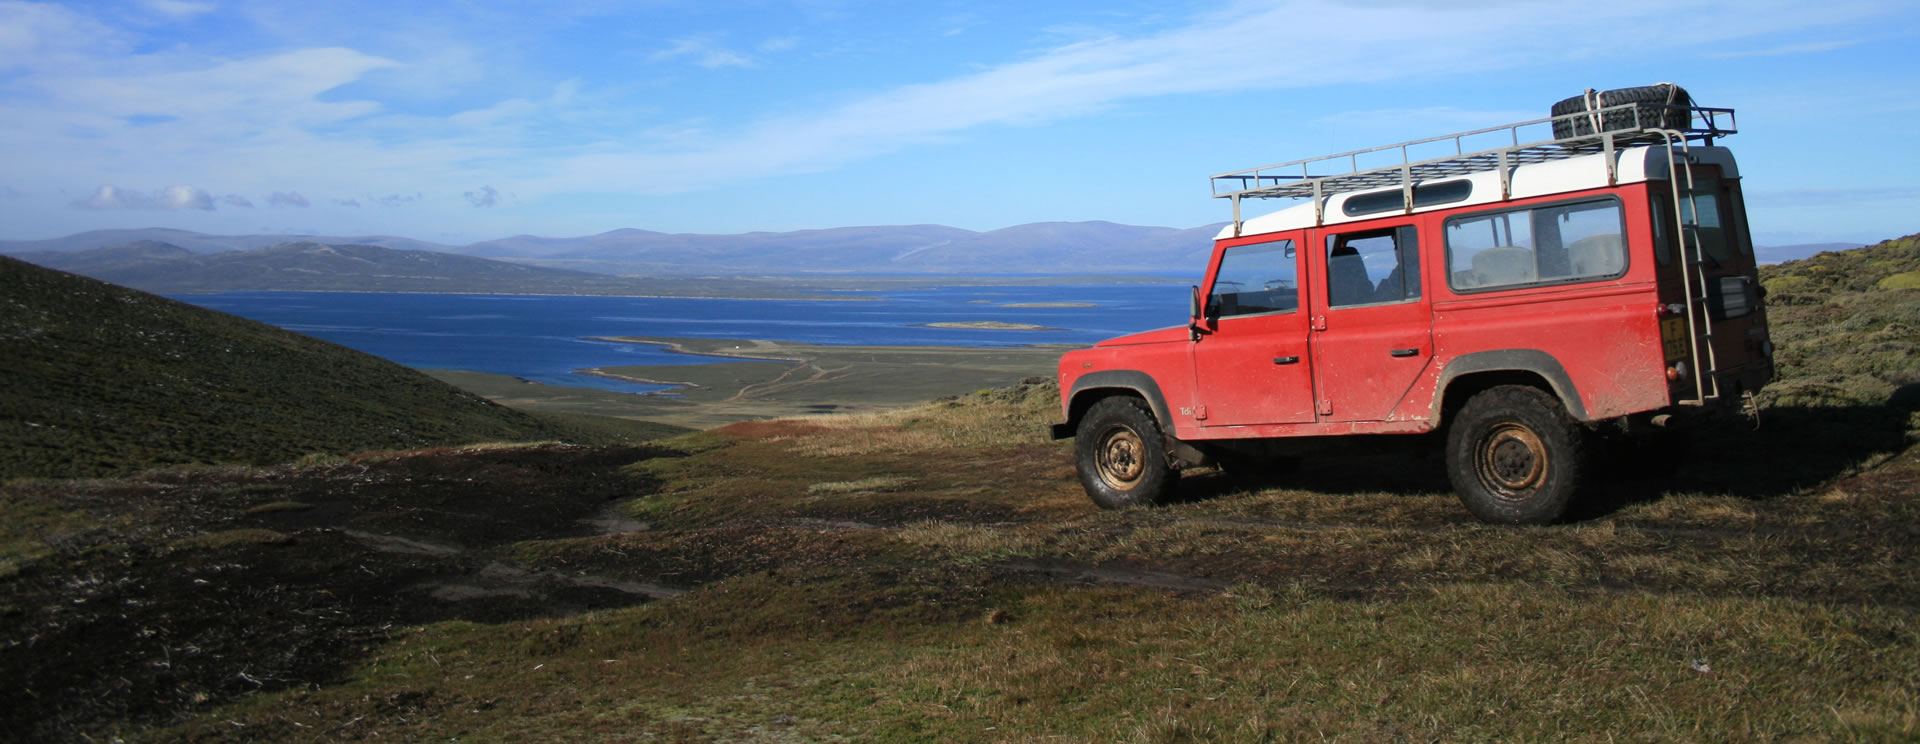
x=1661 y=105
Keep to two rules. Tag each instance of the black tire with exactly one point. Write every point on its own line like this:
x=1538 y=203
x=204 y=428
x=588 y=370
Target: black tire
x=1121 y=455
x=1514 y=456
x=1665 y=105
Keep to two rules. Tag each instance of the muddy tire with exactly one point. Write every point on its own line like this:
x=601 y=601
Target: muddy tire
x=1121 y=456
x=1515 y=457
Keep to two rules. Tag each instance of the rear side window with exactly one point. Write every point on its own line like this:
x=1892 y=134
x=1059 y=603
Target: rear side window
x=1256 y=278
x=1373 y=267
x=1552 y=244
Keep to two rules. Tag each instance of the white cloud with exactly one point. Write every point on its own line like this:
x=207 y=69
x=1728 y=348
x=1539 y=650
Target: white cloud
x=1232 y=50
x=177 y=9
x=703 y=53
x=278 y=89
x=397 y=200
x=461 y=104
x=169 y=198
x=1810 y=47
x=35 y=33
x=485 y=197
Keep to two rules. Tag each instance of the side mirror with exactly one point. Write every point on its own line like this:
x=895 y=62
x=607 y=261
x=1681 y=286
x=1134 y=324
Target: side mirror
x=1197 y=321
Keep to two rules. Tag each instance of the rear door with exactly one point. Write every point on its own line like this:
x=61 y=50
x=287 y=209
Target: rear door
x=1253 y=367
x=1733 y=308
x=1372 y=323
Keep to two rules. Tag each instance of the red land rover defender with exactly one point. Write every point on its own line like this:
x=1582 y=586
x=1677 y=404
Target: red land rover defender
x=1528 y=298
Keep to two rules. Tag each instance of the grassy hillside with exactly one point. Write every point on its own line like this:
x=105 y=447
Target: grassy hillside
x=103 y=380
x=1848 y=326
x=935 y=574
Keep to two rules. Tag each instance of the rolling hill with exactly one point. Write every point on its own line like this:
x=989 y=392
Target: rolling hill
x=201 y=242
x=155 y=266
x=103 y=380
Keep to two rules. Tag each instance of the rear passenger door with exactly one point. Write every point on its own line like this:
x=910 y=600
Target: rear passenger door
x=1371 y=322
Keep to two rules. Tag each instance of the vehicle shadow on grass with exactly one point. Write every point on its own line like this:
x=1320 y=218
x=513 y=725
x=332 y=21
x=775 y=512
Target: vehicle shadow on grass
x=1414 y=471
x=1791 y=449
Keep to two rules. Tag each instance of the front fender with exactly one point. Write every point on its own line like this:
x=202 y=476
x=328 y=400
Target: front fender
x=1095 y=385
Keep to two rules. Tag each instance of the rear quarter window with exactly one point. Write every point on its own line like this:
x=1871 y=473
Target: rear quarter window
x=1538 y=245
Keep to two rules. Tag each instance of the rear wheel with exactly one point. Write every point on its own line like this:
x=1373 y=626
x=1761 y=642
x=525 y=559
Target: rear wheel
x=1121 y=455
x=1514 y=456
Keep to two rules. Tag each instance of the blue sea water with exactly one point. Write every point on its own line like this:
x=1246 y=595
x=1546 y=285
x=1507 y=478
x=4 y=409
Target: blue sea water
x=545 y=338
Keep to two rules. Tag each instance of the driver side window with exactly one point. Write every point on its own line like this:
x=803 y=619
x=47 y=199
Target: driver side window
x=1256 y=278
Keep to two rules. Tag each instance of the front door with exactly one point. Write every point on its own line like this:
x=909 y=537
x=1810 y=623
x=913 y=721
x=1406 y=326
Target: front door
x=1372 y=327
x=1253 y=368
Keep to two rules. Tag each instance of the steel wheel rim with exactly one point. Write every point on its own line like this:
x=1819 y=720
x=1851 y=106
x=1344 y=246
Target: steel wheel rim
x=1121 y=458
x=1512 y=461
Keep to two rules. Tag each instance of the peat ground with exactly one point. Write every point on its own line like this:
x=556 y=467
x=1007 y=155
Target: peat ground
x=935 y=573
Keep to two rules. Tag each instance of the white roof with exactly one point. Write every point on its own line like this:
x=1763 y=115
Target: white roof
x=1636 y=164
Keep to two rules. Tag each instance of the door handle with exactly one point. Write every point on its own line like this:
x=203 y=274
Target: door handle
x=1286 y=360
x=1404 y=352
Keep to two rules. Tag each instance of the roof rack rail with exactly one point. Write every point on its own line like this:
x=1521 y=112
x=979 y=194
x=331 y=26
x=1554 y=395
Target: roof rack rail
x=1625 y=124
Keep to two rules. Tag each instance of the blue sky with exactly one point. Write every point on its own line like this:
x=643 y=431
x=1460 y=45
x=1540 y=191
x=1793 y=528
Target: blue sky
x=464 y=121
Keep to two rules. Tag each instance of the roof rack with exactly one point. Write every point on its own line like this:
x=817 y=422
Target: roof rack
x=1625 y=124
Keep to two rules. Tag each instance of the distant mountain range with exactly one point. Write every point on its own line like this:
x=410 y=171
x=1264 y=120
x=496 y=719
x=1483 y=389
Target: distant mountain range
x=634 y=262
x=1038 y=248
x=155 y=266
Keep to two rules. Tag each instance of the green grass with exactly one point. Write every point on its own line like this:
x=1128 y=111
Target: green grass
x=931 y=657
x=103 y=380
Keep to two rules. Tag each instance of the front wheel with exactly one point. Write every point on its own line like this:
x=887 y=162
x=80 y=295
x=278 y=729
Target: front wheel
x=1514 y=456
x=1121 y=456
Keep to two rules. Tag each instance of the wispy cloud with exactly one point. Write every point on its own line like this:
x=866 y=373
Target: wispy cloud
x=170 y=198
x=703 y=53
x=1827 y=198
x=1354 y=43
x=397 y=200
x=485 y=197
x=177 y=9
x=1811 y=47
x=387 y=100
x=236 y=200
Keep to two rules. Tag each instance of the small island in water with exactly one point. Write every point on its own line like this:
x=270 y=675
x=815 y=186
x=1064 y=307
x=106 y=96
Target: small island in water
x=987 y=325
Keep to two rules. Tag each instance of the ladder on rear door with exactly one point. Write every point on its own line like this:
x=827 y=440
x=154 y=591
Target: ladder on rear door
x=1693 y=275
